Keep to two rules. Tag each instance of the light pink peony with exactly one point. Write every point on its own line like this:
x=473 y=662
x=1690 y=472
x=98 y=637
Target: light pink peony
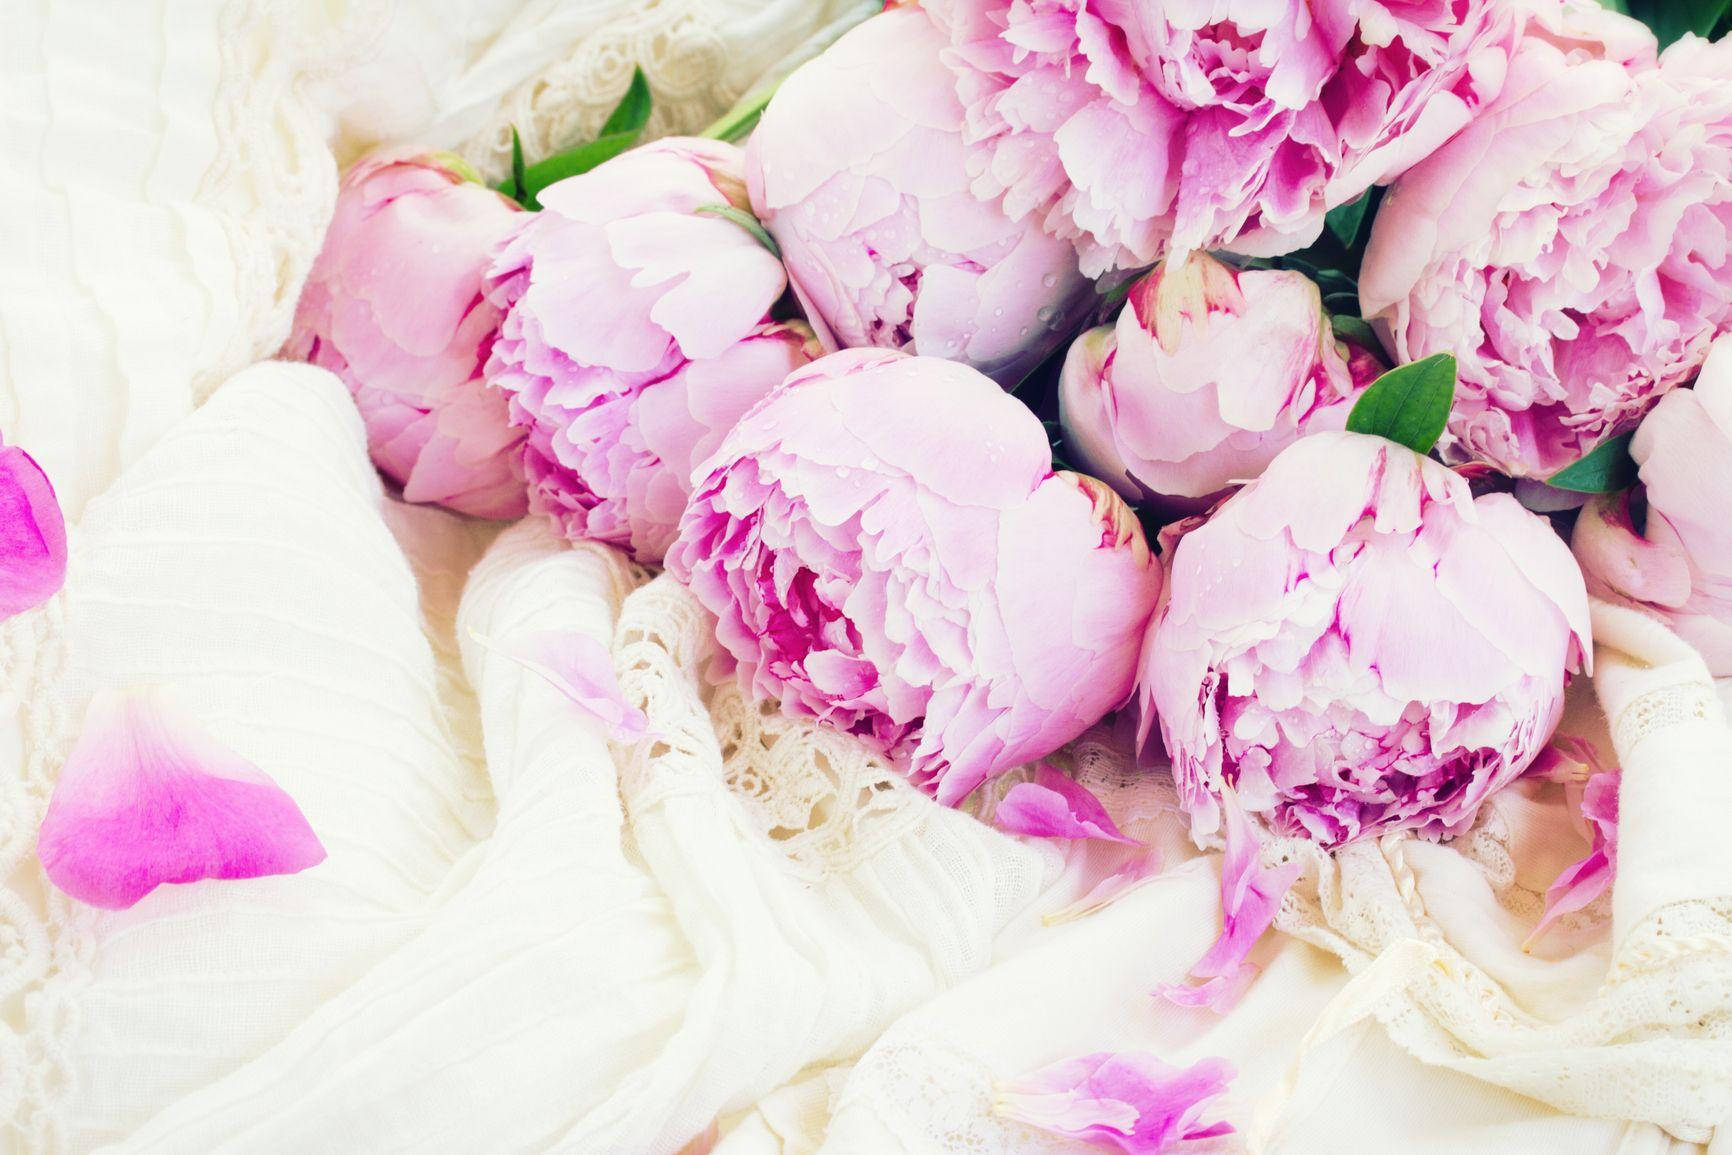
x=32 y=534
x=1353 y=644
x=888 y=549
x=858 y=170
x=1135 y=126
x=638 y=330
x=393 y=306
x=1569 y=248
x=1680 y=564
x=1208 y=374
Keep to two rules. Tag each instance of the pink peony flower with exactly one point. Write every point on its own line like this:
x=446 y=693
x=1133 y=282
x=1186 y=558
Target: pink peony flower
x=637 y=331
x=888 y=549
x=32 y=534
x=1353 y=644
x=1208 y=374
x=1128 y=1100
x=1133 y=128
x=1569 y=248
x=858 y=169
x=1680 y=564
x=146 y=797
x=393 y=306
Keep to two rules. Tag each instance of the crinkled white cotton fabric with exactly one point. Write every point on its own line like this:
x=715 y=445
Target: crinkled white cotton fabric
x=747 y=933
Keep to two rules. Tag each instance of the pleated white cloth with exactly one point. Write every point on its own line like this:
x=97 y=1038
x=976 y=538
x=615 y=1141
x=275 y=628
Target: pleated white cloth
x=747 y=933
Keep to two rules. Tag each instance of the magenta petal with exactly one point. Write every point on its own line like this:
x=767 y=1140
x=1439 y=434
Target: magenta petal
x=1250 y=896
x=1585 y=881
x=1139 y=867
x=1129 y=1100
x=1055 y=805
x=146 y=797
x=581 y=668
x=32 y=534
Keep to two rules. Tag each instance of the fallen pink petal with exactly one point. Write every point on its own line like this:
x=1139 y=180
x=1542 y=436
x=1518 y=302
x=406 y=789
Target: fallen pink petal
x=1130 y=1101
x=1135 y=870
x=1585 y=881
x=581 y=668
x=1055 y=805
x=1250 y=895
x=147 y=797
x=32 y=534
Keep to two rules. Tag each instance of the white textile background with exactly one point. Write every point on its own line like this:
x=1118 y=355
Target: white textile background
x=749 y=934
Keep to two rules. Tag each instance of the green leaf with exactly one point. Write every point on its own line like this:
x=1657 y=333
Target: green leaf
x=746 y=221
x=1355 y=329
x=1409 y=404
x=1671 y=19
x=738 y=122
x=1608 y=467
x=1345 y=221
x=517 y=186
x=573 y=163
x=633 y=110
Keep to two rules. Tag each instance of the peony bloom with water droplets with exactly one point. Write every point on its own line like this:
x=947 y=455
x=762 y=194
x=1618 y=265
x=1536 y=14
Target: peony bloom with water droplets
x=1209 y=372
x=1569 y=248
x=1132 y=128
x=1353 y=644
x=887 y=548
x=637 y=330
x=1679 y=563
x=393 y=306
x=859 y=171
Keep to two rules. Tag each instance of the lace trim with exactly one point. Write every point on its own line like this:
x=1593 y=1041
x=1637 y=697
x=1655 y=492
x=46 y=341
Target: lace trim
x=43 y=956
x=1687 y=703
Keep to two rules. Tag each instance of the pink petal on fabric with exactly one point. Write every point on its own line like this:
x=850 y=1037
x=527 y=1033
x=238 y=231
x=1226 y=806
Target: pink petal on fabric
x=1128 y=1100
x=32 y=534
x=1055 y=805
x=1585 y=881
x=1250 y=896
x=146 y=797
x=581 y=668
x=1114 y=886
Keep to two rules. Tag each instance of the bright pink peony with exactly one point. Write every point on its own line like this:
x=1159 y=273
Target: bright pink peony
x=1208 y=374
x=858 y=169
x=1354 y=644
x=1570 y=248
x=1680 y=564
x=32 y=534
x=1132 y=127
x=888 y=549
x=393 y=306
x=637 y=331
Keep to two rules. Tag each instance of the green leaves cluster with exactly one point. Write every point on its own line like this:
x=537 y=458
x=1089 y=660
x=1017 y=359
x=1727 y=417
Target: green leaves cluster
x=623 y=128
x=1671 y=19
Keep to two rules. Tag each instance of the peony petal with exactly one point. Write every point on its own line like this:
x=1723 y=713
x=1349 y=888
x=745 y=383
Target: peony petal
x=1128 y=1100
x=1055 y=805
x=1250 y=895
x=32 y=534
x=146 y=797
x=1136 y=869
x=581 y=668
x=1586 y=880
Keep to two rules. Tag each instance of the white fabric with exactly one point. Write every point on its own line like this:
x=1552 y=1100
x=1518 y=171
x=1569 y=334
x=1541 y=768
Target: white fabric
x=748 y=931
